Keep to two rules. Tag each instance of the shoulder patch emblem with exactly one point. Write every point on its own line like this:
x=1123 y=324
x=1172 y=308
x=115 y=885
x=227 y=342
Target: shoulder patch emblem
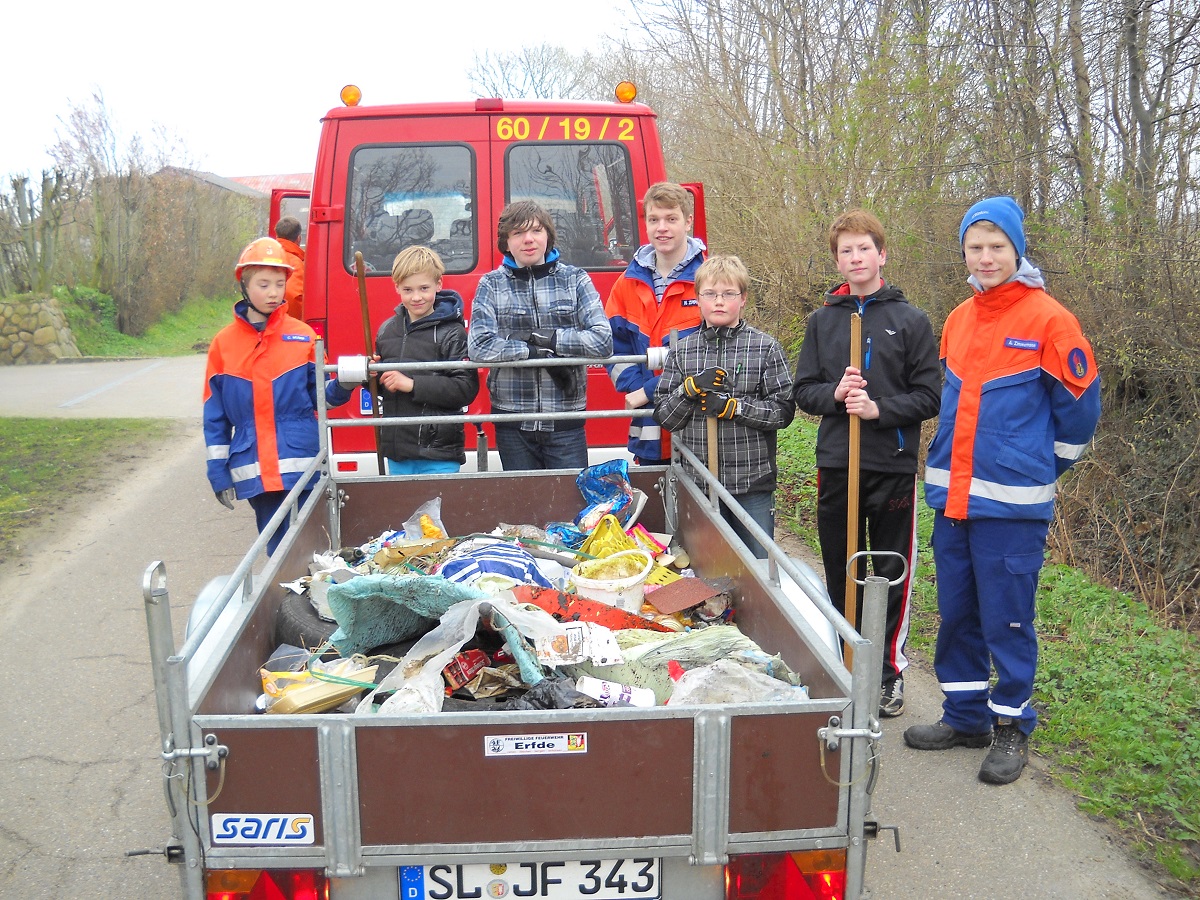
x=1078 y=362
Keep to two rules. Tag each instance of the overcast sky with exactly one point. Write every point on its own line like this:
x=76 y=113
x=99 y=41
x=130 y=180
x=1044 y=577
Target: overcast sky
x=245 y=85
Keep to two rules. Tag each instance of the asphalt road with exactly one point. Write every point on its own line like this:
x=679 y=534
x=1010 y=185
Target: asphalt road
x=80 y=780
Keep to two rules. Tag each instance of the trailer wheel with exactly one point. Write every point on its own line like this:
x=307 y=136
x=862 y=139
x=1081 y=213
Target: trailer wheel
x=298 y=624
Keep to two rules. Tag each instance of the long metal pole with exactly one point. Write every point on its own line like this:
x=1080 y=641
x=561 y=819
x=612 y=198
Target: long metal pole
x=369 y=344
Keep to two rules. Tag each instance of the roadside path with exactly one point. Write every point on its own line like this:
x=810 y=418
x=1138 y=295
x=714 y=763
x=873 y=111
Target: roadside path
x=79 y=777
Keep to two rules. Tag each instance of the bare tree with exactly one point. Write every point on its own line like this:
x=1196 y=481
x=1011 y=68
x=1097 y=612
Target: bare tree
x=30 y=225
x=543 y=71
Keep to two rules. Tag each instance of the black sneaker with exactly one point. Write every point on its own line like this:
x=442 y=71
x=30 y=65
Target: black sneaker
x=1009 y=753
x=891 y=698
x=940 y=736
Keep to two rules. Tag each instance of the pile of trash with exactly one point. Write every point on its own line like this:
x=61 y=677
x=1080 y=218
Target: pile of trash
x=595 y=612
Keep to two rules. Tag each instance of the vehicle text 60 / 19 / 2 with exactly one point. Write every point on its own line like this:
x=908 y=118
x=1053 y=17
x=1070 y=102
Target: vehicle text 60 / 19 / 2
x=520 y=128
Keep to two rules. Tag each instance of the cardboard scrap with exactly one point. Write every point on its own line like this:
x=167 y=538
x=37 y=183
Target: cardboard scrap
x=680 y=594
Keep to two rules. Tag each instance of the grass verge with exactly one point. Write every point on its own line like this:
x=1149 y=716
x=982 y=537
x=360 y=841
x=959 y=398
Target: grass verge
x=45 y=462
x=92 y=317
x=1117 y=694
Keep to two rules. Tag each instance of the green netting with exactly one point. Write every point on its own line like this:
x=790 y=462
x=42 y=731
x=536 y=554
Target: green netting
x=372 y=610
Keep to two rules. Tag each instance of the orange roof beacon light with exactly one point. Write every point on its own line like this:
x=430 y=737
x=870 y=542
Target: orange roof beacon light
x=626 y=92
x=351 y=95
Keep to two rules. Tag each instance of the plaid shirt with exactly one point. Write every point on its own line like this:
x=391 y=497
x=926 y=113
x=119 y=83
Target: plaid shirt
x=759 y=377
x=553 y=296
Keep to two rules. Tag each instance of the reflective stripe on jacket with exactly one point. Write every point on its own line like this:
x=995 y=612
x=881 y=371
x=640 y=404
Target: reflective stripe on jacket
x=260 y=404
x=1020 y=404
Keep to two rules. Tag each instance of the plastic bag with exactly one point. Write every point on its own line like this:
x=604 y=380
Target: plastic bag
x=322 y=686
x=648 y=654
x=552 y=693
x=606 y=489
x=725 y=681
x=426 y=522
x=566 y=534
x=415 y=686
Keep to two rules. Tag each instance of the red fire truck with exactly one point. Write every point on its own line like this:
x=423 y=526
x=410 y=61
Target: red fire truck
x=438 y=174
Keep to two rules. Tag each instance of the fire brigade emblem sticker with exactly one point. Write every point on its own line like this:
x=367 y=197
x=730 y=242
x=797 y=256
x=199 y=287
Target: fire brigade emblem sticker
x=534 y=744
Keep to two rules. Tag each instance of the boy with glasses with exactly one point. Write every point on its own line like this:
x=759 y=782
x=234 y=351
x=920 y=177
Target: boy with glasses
x=730 y=371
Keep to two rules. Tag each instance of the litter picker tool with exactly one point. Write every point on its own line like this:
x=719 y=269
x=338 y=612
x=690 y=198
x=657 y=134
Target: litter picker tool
x=852 y=489
x=369 y=344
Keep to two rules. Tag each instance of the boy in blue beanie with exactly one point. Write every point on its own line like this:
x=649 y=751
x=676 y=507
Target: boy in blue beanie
x=1020 y=402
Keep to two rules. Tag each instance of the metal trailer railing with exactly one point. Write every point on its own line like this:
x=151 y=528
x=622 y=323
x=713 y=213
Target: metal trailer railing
x=186 y=753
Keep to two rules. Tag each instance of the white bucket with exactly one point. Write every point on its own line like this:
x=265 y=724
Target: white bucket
x=626 y=593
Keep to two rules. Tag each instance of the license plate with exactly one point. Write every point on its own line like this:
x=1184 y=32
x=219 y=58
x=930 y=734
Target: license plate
x=589 y=879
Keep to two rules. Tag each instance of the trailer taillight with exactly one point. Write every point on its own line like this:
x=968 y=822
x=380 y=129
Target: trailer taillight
x=806 y=875
x=266 y=884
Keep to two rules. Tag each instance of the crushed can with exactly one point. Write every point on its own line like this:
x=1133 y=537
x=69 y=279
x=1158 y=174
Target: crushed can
x=465 y=666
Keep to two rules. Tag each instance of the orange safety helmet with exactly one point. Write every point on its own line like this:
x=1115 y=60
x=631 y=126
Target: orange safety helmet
x=263 y=251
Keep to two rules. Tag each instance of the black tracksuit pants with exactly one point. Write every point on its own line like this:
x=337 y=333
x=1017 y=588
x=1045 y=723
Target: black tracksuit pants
x=887 y=521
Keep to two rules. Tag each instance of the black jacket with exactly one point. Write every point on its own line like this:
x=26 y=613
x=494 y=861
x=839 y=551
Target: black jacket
x=440 y=335
x=900 y=364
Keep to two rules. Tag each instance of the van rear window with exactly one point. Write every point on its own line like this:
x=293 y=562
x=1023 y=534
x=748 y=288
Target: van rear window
x=297 y=207
x=410 y=194
x=588 y=190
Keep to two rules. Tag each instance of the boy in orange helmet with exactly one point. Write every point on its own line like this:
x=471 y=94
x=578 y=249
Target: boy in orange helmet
x=260 y=392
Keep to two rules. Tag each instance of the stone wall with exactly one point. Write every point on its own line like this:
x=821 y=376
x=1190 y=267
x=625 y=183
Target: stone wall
x=33 y=330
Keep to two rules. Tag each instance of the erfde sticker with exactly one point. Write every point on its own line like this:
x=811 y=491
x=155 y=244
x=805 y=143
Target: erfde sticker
x=534 y=744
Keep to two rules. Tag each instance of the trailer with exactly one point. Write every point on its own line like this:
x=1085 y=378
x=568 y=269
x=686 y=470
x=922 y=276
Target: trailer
x=709 y=802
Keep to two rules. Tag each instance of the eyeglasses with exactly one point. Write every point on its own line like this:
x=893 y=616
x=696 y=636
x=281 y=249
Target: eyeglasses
x=724 y=295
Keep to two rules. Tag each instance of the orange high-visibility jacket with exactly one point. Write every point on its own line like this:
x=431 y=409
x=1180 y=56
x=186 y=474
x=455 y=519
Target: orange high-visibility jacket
x=294 y=290
x=1020 y=404
x=638 y=322
x=260 y=402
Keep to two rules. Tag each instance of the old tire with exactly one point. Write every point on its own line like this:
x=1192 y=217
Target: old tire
x=298 y=624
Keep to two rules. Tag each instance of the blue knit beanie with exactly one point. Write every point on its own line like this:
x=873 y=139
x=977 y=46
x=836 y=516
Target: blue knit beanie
x=1002 y=212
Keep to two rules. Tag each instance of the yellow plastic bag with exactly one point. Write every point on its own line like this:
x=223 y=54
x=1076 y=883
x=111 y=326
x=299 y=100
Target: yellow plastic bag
x=607 y=538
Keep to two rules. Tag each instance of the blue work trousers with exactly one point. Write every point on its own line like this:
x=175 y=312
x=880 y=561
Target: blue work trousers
x=987 y=577
x=265 y=506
